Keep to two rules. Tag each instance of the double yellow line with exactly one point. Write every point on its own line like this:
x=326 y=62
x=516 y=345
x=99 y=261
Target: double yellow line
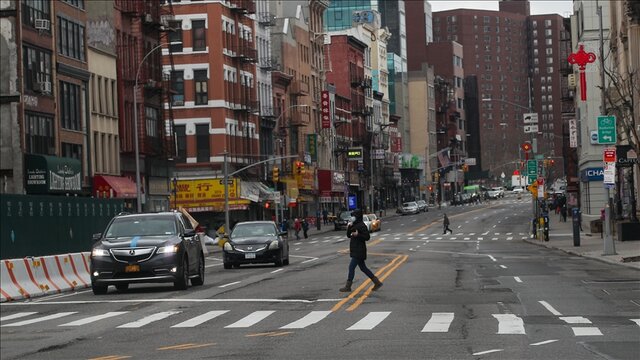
x=382 y=274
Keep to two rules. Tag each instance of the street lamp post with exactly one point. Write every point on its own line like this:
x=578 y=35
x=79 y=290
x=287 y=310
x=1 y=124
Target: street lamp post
x=135 y=123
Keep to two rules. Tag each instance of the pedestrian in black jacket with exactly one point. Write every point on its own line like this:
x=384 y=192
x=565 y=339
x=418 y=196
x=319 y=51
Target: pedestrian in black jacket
x=359 y=234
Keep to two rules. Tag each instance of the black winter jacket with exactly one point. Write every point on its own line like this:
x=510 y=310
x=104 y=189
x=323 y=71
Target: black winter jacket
x=357 y=245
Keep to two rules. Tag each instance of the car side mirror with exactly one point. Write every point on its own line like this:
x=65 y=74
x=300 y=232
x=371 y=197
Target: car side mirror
x=190 y=232
x=96 y=236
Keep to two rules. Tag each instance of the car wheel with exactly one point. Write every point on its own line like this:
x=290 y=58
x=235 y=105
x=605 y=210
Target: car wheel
x=285 y=262
x=99 y=289
x=227 y=265
x=279 y=261
x=197 y=281
x=122 y=287
x=183 y=281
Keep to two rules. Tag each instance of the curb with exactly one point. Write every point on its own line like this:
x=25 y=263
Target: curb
x=576 y=253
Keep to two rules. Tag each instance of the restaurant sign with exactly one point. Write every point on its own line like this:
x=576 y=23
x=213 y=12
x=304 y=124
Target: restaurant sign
x=207 y=193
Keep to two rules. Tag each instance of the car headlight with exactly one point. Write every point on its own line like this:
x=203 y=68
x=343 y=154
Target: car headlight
x=99 y=252
x=227 y=246
x=274 y=245
x=168 y=249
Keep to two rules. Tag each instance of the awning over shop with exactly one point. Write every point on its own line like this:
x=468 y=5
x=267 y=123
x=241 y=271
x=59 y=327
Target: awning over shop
x=256 y=191
x=105 y=186
x=51 y=174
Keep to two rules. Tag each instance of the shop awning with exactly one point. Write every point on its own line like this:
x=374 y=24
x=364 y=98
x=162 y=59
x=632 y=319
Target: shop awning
x=51 y=174
x=105 y=186
x=250 y=190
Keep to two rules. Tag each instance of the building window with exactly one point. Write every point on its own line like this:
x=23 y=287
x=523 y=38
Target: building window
x=535 y=42
x=534 y=24
x=77 y=3
x=36 y=9
x=199 y=35
x=181 y=143
x=547 y=23
x=548 y=41
x=151 y=120
x=37 y=69
x=201 y=84
x=39 y=134
x=177 y=86
x=70 y=106
x=202 y=143
x=71 y=39
x=549 y=51
x=175 y=36
x=73 y=151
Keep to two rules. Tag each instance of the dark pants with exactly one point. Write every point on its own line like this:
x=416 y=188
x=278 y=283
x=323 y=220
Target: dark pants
x=363 y=267
x=446 y=228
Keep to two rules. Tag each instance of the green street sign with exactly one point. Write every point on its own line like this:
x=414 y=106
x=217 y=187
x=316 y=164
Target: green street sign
x=532 y=168
x=607 y=129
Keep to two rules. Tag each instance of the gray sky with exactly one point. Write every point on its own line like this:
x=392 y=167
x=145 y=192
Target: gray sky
x=562 y=7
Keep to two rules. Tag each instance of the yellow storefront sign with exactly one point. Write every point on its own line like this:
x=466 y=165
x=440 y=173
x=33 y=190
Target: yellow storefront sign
x=207 y=194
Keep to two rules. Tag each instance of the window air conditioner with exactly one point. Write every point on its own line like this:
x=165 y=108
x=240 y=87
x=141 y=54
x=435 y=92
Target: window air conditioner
x=178 y=103
x=43 y=87
x=148 y=18
x=42 y=24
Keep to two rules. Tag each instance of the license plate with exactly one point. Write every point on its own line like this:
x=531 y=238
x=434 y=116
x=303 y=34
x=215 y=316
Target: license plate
x=132 y=268
x=250 y=255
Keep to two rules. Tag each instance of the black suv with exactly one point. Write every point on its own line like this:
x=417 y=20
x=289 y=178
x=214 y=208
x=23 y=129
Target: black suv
x=342 y=220
x=147 y=248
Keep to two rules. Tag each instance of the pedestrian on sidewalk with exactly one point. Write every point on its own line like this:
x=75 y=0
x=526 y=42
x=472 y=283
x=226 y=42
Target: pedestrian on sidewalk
x=563 y=212
x=305 y=228
x=297 y=226
x=445 y=224
x=325 y=216
x=359 y=234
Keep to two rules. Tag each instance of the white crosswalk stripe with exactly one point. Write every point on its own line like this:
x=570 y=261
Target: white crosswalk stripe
x=370 y=321
x=200 y=319
x=148 y=319
x=17 y=315
x=251 y=319
x=509 y=324
x=310 y=319
x=439 y=322
x=91 y=319
x=41 y=319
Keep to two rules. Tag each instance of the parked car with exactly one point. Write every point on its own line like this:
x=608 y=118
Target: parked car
x=376 y=223
x=342 y=220
x=422 y=205
x=517 y=189
x=147 y=248
x=495 y=193
x=255 y=242
x=410 y=207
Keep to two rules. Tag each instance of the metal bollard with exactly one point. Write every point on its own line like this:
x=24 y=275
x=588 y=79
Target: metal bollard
x=575 y=218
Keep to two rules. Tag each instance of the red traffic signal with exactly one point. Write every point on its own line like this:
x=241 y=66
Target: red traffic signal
x=526 y=146
x=267 y=205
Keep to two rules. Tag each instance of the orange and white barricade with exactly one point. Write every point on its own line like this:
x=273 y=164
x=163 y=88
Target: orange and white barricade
x=18 y=281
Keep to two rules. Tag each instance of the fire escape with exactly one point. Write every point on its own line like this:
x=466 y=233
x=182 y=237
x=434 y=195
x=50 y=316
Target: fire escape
x=243 y=99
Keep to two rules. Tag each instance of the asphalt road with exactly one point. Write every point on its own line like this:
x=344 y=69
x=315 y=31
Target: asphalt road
x=479 y=293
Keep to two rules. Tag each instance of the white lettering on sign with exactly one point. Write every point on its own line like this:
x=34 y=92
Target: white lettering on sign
x=573 y=133
x=57 y=182
x=30 y=100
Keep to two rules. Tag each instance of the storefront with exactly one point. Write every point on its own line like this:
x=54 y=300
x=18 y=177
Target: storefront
x=332 y=187
x=52 y=175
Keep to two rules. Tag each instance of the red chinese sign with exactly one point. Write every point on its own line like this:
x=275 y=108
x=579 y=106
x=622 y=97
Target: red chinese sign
x=326 y=110
x=582 y=58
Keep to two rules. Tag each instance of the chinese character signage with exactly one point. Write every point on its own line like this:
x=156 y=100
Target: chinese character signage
x=326 y=110
x=312 y=146
x=206 y=193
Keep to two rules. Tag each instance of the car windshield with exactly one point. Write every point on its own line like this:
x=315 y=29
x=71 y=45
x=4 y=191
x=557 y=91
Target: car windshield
x=253 y=230
x=142 y=226
x=409 y=204
x=372 y=217
x=345 y=215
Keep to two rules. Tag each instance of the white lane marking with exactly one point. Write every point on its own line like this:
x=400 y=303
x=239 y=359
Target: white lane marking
x=229 y=284
x=326 y=241
x=480 y=239
x=543 y=342
x=425 y=238
x=275 y=271
x=492 y=258
x=91 y=319
x=586 y=331
x=471 y=234
x=637 y=321
x=396 y=238
x=517 y=279
x=494 y=239
x=494 y=226
x=310 y=260
x=439 y=238
x=17 y=315
x=575 y=320
x=550 y=308
x=313 y=242
x=496 y=234
x=509 y=324
x=251 y=319
x=439 y=322
x=200 y=319
x=467 y=238
x=296 y=249
x=509 y=233
x=172 y=300
x=149 y=319
x=510 y=238
x=502 y=266
x=485 y=233
x=453 y=238
x=370 y=321
x=487 y=352
x=310 y=319
x=40 y=319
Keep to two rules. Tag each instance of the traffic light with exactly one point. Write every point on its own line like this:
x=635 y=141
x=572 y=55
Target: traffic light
x=552 y=162
x=267 y=205
x=430 y=188
x=465 y=167
x=299 y=167
x=275 y=174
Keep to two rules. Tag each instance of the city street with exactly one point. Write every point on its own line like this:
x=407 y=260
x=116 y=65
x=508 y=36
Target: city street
x=480 y=292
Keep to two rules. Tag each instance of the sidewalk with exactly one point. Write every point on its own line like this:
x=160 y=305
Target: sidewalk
x=591 y=245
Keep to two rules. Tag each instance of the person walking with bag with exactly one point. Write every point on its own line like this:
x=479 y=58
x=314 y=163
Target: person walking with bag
x=359 y=234
x=305 y=228
x=445 y=224
x=297 y=227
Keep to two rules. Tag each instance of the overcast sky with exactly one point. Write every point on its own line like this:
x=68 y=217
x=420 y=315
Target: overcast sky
x=562 y=7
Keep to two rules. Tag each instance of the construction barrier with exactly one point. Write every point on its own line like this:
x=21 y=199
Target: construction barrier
x=32 y=277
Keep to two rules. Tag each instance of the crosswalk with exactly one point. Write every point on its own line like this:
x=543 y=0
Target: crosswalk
x=430 y=236
x=438 y=322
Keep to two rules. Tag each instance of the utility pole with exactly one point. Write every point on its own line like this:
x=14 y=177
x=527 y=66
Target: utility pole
x=609 y=245
x=226 y=194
